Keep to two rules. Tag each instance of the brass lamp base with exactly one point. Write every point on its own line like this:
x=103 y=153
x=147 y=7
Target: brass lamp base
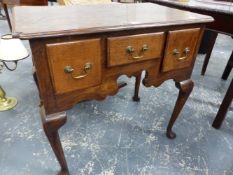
x=8 y=103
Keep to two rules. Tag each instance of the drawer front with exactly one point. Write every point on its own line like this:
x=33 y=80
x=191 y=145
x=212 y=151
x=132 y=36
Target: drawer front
x=129 y=49
x=74 y=65
x=180 y=49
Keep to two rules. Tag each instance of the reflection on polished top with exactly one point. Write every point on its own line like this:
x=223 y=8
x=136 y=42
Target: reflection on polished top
x=214 y=5
x=32 y=22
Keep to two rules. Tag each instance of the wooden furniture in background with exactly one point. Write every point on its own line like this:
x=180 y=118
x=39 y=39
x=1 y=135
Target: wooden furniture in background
x=81 y=55
x=224 y=107
x=222 y=12
x=228 y=68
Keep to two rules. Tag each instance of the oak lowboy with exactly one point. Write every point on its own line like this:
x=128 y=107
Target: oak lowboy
x=80 y=51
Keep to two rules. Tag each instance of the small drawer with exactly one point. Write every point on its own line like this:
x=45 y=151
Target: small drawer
x=74 y=65
x=129 y=49
x=180 y=49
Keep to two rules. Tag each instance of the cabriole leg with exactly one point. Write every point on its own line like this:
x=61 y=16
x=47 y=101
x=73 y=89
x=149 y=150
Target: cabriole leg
x=51 y=124
x=185 y=88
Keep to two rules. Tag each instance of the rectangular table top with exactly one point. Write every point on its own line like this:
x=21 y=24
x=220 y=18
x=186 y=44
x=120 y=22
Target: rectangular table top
x=34 y=22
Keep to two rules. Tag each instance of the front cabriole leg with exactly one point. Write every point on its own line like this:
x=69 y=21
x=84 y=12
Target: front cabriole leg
x=51 y=125
x=185 y=88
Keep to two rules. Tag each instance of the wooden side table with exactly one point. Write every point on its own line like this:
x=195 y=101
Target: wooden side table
x=228 y=67
x=81 y=55
x=224 y=107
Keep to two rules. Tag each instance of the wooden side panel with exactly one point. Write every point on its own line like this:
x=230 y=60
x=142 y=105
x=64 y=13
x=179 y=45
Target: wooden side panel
x=119 y=54
x=180 y=49
x=26 y=2
x=76 y=55
x=33 y=2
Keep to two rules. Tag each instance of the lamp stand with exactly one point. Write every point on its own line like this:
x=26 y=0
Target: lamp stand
x=6 y=103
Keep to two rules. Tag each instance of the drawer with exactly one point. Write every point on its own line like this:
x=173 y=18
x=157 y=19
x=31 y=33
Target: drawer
x=180 y=49
x=74 y=65
x=129 y=49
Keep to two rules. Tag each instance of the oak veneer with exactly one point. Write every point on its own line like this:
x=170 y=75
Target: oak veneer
x=60 y=56
x=129 y=49
x=71 y=36
x=185 y=48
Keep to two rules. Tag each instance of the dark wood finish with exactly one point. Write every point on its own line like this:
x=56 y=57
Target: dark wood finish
x=137 y=87
x=26 y=2
x=45 y=32
x=7 y=16
x=176 y=42
x=224 y=107
x=222 y=14
x=223 y=22
x=210 y=46
x=33 y=2
x=51 y=125
x=185 y=88
x=116 y=19
x=228 y=68
x=121 y=85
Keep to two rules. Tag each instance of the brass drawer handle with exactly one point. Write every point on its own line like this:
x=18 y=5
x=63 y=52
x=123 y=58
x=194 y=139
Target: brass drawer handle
x=182 y=56
x=86 y=69
x=130 y=50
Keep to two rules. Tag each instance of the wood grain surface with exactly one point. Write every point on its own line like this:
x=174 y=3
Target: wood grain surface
x=75 y=54
x=98 y=34
x=26 y=2
x=117 y=48
x=180 y=40
x=32 y=22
